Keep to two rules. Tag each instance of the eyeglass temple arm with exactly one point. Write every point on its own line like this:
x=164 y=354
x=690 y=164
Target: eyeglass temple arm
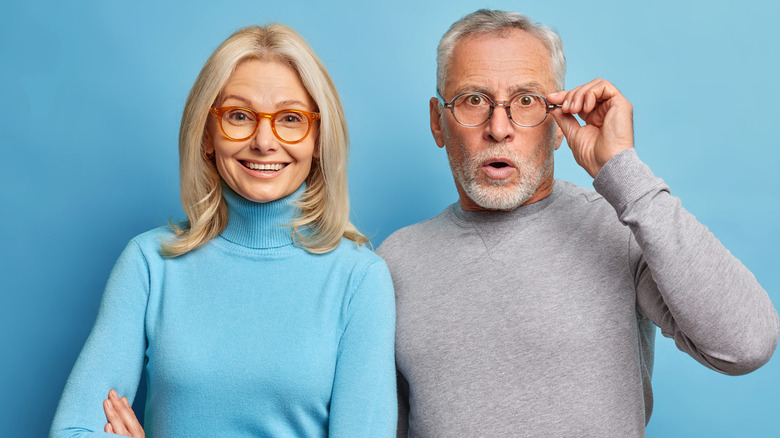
x=442 y=102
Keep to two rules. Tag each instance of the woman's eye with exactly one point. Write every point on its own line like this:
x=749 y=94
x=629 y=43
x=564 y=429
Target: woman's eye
x=239 y=116
x=290 y=118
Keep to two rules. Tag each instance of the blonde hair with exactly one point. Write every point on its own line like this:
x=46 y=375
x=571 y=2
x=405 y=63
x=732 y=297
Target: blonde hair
x=324 y=205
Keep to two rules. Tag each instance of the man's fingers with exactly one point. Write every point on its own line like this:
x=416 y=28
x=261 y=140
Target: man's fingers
x=567 y=122
x=585 y=98
x=572 y=100
x=590 y=102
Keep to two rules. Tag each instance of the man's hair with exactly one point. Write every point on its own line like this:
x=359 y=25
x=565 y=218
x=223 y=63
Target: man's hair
x=486 y=21
x=324 y=205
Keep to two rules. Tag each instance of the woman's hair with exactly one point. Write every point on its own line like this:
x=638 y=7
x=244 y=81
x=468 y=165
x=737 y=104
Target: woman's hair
x=486 y=21
x=324 y=205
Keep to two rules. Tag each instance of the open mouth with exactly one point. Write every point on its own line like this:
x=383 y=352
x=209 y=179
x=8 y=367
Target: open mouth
x=264 y=167
x=497 y=163
x=498 y=169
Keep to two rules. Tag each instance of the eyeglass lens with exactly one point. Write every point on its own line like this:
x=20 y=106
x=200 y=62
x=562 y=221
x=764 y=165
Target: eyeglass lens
x=474 y=109
x=289 y=126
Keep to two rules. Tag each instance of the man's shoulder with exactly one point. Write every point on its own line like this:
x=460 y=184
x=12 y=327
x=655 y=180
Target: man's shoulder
x=570 y=192
x=585 y=211
x=579 y=202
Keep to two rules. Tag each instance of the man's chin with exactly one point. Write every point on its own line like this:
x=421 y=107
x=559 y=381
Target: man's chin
x=489 y=182
x=499 y=197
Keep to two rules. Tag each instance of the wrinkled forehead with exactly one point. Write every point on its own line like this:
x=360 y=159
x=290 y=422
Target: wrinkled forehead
x=500 y=64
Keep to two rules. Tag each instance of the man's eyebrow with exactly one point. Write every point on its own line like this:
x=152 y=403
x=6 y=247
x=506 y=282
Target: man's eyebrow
x=468 y=88
x=532 y=86
x=527 y=87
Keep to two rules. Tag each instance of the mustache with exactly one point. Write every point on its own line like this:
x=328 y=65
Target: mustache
x=497 y=150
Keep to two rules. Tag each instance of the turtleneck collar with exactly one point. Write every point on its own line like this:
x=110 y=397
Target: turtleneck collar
x=259 y=225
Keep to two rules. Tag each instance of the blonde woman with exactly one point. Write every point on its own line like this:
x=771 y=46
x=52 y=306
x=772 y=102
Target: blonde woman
x=263 y=314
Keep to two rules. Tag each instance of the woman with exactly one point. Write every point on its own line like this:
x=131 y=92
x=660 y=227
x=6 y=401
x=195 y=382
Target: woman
x=262 y=315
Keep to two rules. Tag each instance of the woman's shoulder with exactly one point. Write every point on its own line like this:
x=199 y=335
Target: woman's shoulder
x=149 y=242
x=366 y=270
x=357 y=253
x=353 y=260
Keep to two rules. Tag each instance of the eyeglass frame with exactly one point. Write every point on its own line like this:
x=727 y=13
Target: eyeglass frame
x=493 y=104
x=219 y=111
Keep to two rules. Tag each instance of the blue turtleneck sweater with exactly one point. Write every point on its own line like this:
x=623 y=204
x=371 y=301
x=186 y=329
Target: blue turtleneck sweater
x=248 y=336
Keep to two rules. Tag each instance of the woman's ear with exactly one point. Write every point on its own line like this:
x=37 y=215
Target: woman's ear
x=207 y=145
x=316 y=152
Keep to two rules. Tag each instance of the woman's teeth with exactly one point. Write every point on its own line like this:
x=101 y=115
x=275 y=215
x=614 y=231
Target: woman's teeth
x=258 y=166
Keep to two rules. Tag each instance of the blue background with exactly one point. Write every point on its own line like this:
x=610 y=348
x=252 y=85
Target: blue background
x=92 y=97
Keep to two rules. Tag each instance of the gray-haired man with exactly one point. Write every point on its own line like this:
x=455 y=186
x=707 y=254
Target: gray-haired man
x=529 y=307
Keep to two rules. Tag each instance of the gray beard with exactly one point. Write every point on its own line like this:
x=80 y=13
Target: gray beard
x=502 y=194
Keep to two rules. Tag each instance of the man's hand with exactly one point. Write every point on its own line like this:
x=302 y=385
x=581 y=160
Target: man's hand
x=121 y=418
x=608 y=117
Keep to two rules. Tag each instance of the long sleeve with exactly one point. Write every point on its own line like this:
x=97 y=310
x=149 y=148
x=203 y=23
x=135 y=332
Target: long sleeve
x=687 y=283
x=364 y=403
x=113 y=356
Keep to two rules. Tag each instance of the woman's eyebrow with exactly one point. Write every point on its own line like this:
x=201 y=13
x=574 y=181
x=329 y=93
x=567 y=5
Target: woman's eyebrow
x=290 y=102
x=281 y=104
x=237 y=97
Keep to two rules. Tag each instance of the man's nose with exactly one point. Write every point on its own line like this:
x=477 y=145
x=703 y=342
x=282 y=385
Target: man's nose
x=500 y=127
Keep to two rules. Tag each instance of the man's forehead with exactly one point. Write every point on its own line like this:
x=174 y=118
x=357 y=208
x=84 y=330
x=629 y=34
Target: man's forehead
x=508 y=62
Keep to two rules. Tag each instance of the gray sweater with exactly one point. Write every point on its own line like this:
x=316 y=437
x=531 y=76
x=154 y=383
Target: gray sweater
x=540 y=322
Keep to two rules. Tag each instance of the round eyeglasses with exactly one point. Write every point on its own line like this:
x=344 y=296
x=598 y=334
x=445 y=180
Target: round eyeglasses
x=474 y=108
x=289 y=126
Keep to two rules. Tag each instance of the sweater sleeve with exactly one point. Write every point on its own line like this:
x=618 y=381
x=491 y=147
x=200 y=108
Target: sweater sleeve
x=113 y=356
x=363 y=403
x=687 y=283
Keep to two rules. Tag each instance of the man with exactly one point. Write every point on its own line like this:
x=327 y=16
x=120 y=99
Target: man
x=529 y=307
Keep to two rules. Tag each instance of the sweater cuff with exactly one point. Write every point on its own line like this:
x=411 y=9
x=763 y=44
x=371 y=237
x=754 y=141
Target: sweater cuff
x=625 y=178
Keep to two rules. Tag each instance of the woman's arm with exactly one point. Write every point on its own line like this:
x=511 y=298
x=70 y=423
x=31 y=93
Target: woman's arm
x=113 y=356
x=364 y=402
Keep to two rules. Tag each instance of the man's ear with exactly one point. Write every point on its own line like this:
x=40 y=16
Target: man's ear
x=435 y=109
x=558 y=136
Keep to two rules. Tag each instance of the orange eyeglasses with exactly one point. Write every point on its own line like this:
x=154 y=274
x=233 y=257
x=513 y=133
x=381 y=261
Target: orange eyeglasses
x=288 y=125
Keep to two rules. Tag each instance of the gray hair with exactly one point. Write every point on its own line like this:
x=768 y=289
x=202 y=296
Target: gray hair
x=486 y=21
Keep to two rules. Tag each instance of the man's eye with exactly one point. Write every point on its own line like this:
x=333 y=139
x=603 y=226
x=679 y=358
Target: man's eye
x=526 y=100
x=475 y=100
